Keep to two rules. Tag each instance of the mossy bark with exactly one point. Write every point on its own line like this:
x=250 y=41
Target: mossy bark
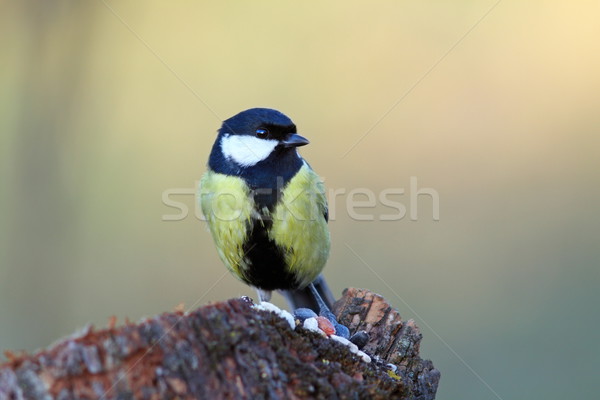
x=228 y=350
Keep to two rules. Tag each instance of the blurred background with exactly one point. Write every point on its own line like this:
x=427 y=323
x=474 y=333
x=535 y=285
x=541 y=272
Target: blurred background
x=107 y=107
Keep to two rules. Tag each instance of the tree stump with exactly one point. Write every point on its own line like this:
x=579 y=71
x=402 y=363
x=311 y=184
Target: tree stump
x=229 y=350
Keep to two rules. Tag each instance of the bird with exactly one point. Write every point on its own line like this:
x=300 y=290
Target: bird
x=266 y=208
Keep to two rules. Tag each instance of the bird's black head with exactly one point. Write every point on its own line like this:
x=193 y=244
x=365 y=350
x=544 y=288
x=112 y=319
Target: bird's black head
x=259 y=146
x=256 y=135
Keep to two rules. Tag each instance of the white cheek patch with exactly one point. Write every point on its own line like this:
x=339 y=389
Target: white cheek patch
x=246 y=150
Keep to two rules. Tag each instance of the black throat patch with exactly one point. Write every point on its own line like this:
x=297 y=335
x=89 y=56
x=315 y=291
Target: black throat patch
x=267 y=178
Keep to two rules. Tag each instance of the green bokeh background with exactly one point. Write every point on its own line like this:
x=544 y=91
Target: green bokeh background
x=106 y=105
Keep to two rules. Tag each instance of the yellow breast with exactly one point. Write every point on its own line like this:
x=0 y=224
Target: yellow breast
x=298 y=226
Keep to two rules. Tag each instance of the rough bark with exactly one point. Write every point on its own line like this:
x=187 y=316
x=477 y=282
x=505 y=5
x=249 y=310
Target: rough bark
x=229 y=350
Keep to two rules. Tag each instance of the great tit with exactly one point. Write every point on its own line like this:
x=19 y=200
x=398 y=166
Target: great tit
x=266 y=208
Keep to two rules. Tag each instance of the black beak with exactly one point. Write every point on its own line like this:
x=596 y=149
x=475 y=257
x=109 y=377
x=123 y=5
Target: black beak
x=294 y=140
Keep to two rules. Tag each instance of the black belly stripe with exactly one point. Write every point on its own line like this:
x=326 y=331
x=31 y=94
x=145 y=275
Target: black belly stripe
x=266 y=180
x=268 y=270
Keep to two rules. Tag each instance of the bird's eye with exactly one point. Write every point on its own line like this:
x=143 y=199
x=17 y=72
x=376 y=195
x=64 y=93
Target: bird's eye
x=262 y=133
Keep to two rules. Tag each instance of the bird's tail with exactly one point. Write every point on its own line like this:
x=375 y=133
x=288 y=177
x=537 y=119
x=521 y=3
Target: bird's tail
x=303 y=298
